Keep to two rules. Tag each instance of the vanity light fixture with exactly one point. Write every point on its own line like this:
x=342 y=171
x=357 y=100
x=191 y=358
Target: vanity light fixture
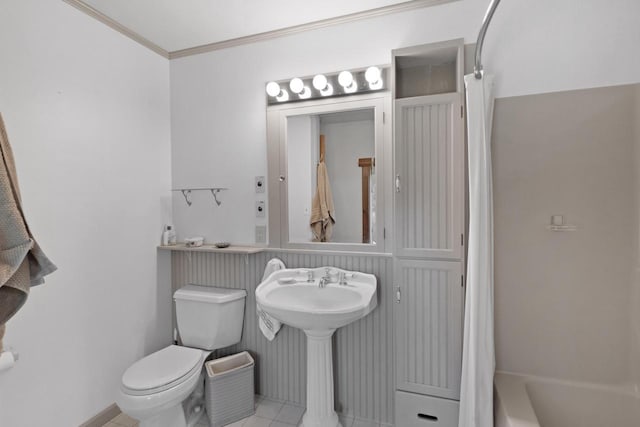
x=275 y=91
x=321 y=84
x=305 y=94
x=296 y=85
x=346 y=80
x=328 y=91
x=373 y=77
x=283 y=97
x=328 y=85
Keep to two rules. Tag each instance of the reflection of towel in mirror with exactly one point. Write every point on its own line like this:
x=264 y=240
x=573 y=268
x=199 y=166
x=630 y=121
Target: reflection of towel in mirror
x=22 y=262
x=268 y=325
x=322 y=210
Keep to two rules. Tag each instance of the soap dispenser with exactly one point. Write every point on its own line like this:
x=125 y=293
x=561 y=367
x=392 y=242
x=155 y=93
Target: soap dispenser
x=168 y=236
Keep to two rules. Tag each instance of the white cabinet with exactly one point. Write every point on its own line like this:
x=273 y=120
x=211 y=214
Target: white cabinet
x=429 y=217
x=428 y=319
x=414 y=410
x=429 y=173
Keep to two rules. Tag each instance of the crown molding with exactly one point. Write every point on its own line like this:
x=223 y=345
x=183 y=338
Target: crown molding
x=283 y=32
x=94 y=13
x=254 y=38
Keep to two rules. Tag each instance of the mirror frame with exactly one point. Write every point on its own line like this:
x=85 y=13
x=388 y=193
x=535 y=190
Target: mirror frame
x=277 y=115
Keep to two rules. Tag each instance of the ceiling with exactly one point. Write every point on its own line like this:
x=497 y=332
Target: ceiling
x=172 y=27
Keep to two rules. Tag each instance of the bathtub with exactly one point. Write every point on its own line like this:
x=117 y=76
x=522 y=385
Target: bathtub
x=528 y=401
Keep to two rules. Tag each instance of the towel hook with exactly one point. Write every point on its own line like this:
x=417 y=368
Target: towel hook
x=186 y=194
x=215 y=191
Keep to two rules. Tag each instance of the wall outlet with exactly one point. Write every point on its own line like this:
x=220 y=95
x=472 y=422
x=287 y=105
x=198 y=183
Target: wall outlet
x=260 y=209
x=260 y=184
x=261 y=234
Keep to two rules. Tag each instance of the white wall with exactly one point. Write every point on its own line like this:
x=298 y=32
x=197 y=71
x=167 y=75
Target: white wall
x=87 y=112
x=563 y=299
x=549 y=45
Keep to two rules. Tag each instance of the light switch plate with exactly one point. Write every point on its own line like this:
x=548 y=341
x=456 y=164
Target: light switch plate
x=261 y=234
x=260 y=184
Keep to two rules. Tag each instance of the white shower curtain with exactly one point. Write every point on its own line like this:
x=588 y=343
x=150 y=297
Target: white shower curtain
x=478 y=358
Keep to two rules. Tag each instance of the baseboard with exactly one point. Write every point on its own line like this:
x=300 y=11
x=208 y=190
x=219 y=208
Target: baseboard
x=102 y=417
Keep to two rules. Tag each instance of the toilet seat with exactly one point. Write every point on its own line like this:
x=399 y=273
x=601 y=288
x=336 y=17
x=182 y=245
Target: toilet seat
x=162 y=370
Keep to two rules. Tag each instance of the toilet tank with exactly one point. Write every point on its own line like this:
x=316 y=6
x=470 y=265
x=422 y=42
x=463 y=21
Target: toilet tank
x=209 y=318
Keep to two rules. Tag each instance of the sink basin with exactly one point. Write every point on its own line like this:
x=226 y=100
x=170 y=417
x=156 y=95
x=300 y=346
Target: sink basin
x=288 y=296
x=319 y=302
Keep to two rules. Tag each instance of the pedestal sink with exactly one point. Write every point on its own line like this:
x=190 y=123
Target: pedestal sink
x=318 y=301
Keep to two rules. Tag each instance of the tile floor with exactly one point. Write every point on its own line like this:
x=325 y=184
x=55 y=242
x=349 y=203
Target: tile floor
x=269 y=413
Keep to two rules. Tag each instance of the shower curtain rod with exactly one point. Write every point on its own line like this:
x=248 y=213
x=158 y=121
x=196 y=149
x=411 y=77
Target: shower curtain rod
x=477 y=69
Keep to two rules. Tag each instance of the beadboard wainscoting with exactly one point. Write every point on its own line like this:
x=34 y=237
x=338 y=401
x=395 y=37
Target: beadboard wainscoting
x=363 y=350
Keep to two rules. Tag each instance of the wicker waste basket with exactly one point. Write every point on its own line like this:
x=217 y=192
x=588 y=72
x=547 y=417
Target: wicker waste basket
x=229 y=392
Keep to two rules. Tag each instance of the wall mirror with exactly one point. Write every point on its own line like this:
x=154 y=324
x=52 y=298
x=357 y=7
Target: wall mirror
x=327 y=172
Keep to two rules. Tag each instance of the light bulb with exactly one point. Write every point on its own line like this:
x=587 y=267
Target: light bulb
x=305 y=93
x=273 y=89
x=372 y=75
x=320 y=82
x=327 y=91
x=283 y=97
x=345 y=78
x=296 y=85
x=351 y=88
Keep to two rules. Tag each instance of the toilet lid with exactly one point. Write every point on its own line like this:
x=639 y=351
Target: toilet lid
x=162 y=368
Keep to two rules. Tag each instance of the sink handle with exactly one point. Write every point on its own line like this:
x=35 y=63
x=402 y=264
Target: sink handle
x=309 y=274
x=343 y=278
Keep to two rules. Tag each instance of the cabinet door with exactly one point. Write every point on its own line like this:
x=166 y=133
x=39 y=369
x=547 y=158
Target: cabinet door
x=428 y=318
x=429 y=173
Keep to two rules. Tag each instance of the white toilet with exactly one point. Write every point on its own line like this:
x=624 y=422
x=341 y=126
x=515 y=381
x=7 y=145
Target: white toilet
x=165 y=389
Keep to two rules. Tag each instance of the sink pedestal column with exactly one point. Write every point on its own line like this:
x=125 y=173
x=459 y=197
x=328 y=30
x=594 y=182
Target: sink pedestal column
x=320 y=412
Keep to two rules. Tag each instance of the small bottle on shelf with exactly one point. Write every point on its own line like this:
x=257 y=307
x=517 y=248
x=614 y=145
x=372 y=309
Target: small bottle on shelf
x=172 y=235
x=168 y=236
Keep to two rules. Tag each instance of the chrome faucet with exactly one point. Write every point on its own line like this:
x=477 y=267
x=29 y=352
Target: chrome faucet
x=326 y=279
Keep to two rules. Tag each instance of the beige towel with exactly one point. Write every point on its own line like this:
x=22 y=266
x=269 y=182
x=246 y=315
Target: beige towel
x=22 y=262
x=322 y=210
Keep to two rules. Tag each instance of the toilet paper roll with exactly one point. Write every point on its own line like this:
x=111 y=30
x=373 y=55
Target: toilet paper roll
x=7 y=360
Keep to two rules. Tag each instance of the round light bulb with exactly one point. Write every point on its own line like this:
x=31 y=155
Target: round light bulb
x=320 y=82
x=345 y=78
x=273 y=89
x=327 y=91
x=372 y=75
x=305 y=93
x=283 y=96
x=296 y=85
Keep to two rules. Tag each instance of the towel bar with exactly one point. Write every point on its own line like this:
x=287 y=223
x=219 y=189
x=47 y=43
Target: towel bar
x=187 y=191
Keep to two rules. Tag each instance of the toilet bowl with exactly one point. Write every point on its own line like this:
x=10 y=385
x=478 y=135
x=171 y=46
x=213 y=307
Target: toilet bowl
x=155 y=387
x=165 y=389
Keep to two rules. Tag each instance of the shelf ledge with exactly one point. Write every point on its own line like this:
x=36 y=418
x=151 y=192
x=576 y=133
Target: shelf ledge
x=246 y=250
x=562 y=227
